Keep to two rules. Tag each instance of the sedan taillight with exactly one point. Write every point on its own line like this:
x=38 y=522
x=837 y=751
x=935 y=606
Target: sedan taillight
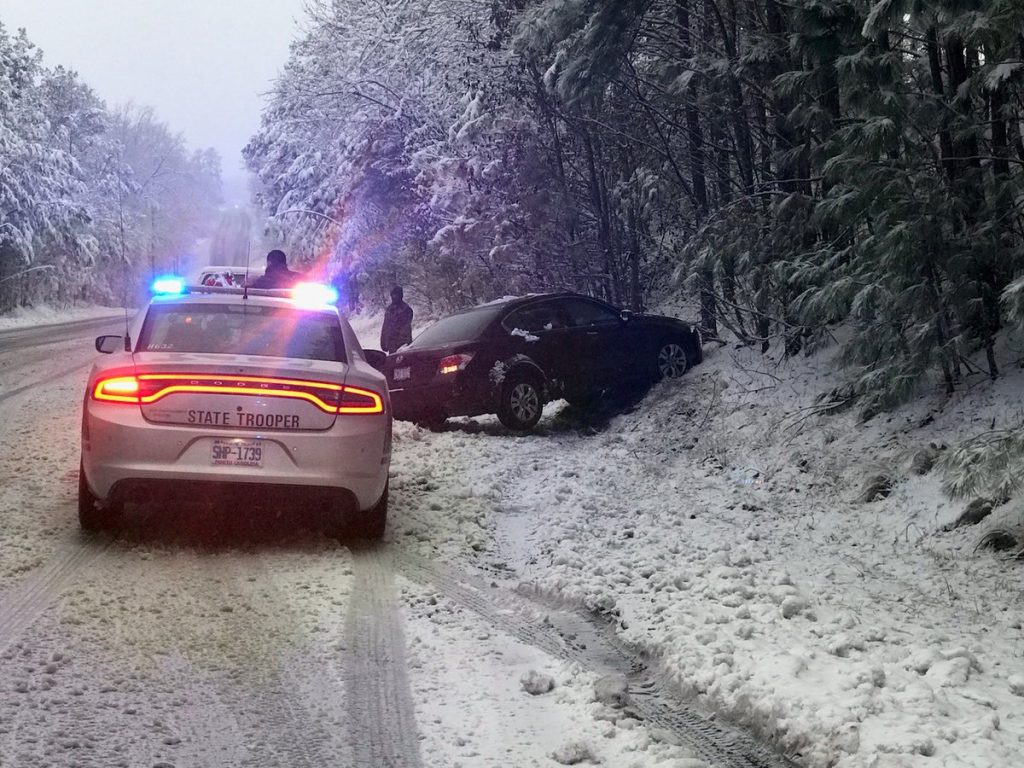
x=454 y=363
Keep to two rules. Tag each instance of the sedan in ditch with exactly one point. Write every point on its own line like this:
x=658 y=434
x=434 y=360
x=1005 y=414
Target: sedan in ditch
x=511 y=356
x=240 y=394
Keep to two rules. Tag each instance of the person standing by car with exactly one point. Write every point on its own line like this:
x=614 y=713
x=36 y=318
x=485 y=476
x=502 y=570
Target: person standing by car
x=397 y=328
x=277 y=274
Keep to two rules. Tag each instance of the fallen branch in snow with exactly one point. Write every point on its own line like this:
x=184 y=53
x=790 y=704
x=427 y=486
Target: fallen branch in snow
x=754 y=371
x=707 y=414
x=807 y=412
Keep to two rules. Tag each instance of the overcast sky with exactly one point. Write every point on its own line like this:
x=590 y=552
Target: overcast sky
x=202 y=64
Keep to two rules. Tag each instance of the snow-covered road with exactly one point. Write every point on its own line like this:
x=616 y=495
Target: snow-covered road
x=592 y=592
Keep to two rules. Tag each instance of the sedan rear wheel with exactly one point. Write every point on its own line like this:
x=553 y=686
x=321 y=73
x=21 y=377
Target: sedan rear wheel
x=521 y=405
x=672 y=361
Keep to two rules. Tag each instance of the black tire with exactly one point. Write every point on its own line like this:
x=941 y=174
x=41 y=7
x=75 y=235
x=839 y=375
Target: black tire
x=92 y=515
x=369 y=525
x=521 y=402
x=671 y=360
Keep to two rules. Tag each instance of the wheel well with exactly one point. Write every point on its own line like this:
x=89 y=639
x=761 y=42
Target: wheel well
x=689 y=345
x=682 y=341
x=523 y=366
x=697 y=344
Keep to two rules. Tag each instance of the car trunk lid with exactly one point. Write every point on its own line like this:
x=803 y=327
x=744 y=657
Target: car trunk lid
x=239 y=393
x=417 y=367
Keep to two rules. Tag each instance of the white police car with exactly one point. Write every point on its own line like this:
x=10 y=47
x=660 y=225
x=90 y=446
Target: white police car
x=232 y=393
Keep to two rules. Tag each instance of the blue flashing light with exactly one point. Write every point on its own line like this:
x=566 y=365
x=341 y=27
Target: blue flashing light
x=168 y=286
x=314 y=294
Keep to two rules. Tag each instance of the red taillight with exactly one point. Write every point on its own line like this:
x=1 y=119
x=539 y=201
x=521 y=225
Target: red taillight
x=356 y=400
x=117 y=389
x=149 y=388
x=454 y=363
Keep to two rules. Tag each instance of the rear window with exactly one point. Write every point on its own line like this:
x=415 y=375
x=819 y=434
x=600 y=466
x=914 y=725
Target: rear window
x=464 y=326
x=242 y=329
x=222 y=278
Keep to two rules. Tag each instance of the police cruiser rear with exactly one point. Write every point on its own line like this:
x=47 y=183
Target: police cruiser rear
x=218 y=392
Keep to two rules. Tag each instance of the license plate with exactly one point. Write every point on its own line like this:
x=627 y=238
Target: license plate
x=237 y=453
x=401 y=374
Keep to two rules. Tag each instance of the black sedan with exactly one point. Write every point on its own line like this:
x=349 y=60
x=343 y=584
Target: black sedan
x=510 y=357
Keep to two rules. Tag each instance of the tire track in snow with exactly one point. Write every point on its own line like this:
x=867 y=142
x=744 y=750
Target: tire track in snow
x=289 y=731
x=34 y=336
x=29 y=599
x=13 y=366
x=207 y=731
x=382 y=719
x=39 y=338
x=568 y=636
x=258 y=694
x=49 y=379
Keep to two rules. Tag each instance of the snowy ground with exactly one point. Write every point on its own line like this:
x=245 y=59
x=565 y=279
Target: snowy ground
x=713 y=530
x=717 y=526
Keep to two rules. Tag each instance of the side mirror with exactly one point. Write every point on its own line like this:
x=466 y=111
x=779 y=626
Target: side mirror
x=375 y=358
x=109 y=344
x=626 y=315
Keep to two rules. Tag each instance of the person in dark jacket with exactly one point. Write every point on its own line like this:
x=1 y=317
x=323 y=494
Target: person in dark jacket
x=397 y=327
x=277 y=274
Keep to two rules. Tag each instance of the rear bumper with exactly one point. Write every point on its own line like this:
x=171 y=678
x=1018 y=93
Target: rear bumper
x=445 y=398
x=122 y=451
x=233 y=496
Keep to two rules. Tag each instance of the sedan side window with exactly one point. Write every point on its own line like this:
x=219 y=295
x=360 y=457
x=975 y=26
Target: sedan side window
x=587 y=313
x=537 y=318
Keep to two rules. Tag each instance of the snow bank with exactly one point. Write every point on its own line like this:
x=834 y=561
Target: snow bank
x=718 y=526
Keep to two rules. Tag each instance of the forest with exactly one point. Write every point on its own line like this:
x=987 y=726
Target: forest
x=795 y=167
x=94 y=200
x=809 y=172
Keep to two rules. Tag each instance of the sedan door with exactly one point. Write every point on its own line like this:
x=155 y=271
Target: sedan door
x=545 y=333
x=610 y=350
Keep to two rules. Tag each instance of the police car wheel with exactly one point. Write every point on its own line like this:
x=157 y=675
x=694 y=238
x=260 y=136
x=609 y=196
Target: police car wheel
x=92 y=516
x=369 y=524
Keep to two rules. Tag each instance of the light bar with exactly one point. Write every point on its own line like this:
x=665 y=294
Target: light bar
x=168 y=286
x=314 y=295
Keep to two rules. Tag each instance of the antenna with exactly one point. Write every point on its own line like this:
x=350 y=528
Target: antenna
x=248 y=253
x=124 y=259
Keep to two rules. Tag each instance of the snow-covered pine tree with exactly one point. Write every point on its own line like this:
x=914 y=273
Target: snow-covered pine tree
x=87 y=195
x=38 y=181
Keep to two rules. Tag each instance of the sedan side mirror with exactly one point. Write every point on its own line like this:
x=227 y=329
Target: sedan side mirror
x=626 y=315
x=109 y=344
x=375 y=358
